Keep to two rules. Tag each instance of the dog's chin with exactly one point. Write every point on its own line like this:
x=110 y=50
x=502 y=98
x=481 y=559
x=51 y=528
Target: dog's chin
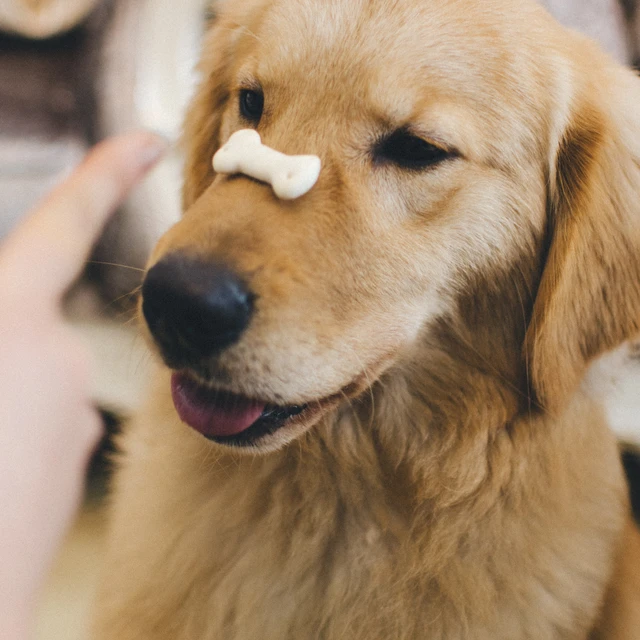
x=240 y=422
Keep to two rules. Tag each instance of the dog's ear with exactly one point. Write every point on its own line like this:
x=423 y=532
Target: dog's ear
x=230 y=20
x=202 y=124
x=589 y=296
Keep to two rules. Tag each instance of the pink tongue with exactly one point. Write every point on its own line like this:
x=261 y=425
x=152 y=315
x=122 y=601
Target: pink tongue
x=214 y=414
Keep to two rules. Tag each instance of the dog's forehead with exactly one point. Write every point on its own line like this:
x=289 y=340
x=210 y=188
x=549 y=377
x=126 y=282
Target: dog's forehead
x=361 y=29
x=457 y=46
x=477 y=73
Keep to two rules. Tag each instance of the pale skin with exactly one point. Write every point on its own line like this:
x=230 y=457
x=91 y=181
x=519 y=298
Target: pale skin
x=48 y=425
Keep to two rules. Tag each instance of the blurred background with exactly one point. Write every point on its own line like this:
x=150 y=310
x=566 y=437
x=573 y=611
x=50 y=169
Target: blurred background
x=75 y=71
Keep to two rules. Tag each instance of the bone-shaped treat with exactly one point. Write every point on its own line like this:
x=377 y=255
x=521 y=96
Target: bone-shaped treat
x=290 y=176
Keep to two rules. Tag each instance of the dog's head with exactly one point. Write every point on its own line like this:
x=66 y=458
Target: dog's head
x=467 y=146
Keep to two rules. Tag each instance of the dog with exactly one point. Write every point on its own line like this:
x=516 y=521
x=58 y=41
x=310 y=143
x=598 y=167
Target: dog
x=370 y=420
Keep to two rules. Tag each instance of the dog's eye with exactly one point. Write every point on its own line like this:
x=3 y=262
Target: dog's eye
x=408 y=151
x=251 y=105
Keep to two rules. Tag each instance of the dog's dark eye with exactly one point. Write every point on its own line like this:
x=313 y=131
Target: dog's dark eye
x=407 y=151
x=251 y=105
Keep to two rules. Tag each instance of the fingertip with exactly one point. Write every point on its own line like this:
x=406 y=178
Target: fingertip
x=95 y=431
x=151 y=148
x=139 y=150
x=114 y=166
x=54 y=240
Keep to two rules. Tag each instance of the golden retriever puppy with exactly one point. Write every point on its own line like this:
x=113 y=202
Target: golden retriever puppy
x=371 y=421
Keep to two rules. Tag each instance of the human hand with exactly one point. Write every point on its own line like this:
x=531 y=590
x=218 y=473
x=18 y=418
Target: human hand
x=48 y=426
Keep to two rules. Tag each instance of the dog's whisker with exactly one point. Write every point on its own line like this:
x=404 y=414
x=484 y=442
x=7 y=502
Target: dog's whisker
x=129 y=294
x=369 y=388
x=130 y=321
x=116 y=264
x=352 y=408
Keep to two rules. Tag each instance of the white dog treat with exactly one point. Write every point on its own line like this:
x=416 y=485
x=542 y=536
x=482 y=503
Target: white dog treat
x=290 y=176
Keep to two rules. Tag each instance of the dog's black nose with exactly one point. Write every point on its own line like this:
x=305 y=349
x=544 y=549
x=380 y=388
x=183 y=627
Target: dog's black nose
x=194 y=309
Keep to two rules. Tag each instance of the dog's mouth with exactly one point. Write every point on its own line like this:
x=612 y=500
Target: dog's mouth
x=238 y=421
x=232 y=419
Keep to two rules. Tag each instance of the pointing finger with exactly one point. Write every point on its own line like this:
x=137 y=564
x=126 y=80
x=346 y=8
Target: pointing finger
x=47 y=250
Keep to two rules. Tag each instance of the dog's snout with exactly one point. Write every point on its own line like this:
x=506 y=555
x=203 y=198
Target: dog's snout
x=194 y=309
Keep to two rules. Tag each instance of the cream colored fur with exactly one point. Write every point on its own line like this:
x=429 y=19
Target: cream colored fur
x=458 y=482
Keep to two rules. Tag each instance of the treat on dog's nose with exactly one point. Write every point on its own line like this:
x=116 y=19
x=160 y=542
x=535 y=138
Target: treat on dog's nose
x=290 y=176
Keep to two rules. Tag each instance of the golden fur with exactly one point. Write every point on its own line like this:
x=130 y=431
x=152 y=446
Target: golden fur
x=460 y=481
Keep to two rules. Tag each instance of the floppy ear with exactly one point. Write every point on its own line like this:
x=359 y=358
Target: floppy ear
x=202 y=125
x=589 y=297
x=229 y=20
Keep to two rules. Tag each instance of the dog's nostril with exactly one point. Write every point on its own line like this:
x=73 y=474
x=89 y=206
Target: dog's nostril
x=194 y=309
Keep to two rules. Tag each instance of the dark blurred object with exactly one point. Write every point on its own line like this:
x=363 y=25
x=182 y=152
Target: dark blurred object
x=631 y=9
x=631 y=462
x=101 y=466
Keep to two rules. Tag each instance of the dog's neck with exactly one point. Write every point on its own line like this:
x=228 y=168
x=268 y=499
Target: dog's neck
x=427 y=431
